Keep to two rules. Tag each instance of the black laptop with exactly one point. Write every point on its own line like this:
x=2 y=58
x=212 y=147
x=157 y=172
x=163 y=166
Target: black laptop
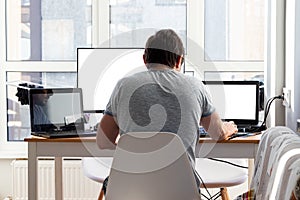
x=57 y=113
x=236 y=101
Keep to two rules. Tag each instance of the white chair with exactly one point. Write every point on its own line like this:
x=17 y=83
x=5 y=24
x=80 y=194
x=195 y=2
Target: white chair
x=260 y=177
x=151 y=166
x=286 y=153
x=97 y=169
x=221 y=173
x=276 y=147
x=290 y=179
x=211 y=172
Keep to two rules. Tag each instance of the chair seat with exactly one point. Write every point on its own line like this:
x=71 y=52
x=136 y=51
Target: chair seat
x=96 y=169
x=216 y=174
x=213 y=173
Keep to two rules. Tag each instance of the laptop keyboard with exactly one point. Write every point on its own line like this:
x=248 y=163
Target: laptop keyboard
x=62 y=134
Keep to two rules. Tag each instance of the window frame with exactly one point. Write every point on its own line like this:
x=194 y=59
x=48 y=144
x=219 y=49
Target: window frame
x=194 y=35
x=13 y=149
x=197 y=35
x=100 y=36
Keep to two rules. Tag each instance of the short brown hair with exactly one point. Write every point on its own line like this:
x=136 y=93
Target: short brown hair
x=164 y=47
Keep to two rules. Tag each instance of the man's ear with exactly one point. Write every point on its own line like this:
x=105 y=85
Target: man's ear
x=178 y=63
x=144 y=58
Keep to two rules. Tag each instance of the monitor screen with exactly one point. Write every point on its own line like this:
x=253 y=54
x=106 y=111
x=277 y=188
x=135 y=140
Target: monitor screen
x=236 y=101
x=99 y=70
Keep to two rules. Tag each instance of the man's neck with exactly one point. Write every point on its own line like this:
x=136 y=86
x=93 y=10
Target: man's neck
x=155 y=66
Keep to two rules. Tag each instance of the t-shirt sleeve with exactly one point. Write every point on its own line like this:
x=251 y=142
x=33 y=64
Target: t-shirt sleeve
x=206 y=101
x=108 y=109
x=111 y=107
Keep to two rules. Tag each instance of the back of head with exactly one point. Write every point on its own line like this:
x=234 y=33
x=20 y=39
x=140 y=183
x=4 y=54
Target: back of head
x=164 y=47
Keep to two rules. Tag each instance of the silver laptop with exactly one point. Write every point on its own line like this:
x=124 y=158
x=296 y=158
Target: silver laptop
x=57 y=113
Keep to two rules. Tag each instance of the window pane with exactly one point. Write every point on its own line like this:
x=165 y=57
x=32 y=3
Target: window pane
x=18 y=118
x=234 y=30
x=47 y=29
x=233 y=76
x=133 y=21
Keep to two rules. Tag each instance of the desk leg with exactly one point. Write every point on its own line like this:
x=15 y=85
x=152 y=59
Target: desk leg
x=58 y=178
x=251 y=166
x=32 y=172
x=250 y=171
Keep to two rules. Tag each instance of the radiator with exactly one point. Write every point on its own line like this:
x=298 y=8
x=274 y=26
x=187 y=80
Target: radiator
x=75 y=185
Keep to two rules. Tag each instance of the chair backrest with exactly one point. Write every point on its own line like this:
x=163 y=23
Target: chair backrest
x=290 y=179
x=260 y=177
x=279 y=147
x=278 y=172
x=150 y=165
x=279 y=150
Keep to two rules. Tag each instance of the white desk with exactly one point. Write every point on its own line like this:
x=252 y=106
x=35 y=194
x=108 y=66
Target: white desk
x=86 y=147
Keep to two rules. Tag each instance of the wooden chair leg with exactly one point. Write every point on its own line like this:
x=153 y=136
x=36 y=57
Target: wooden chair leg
x=103 y=189
x=101 y=195
x=224 y=194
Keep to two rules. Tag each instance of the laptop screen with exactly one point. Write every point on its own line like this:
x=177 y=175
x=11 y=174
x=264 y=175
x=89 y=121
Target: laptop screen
x=55 y=109
x=236 y=101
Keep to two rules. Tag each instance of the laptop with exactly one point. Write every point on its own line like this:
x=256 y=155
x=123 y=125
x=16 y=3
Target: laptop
x=236 y=101
x=57 y=113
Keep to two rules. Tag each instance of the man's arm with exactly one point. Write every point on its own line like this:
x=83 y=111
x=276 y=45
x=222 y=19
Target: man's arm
x=216 y=128
x=107 y=133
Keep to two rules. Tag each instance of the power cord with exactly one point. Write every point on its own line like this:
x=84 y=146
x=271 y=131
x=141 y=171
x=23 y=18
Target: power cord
x=227 y=162
x=203 y=184
x=268 y=105
x=263 y=126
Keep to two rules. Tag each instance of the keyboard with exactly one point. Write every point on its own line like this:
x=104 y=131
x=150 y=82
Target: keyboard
x=65 y=134
x=202 y=132
x=240 y=133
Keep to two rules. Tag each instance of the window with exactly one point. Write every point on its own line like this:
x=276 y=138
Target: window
x=18 y=121
x=234 y=30
x=133 y=21
x=42 y=37
x=47 y=29
x=168 y=2
x=229 y=40
x=233 y=76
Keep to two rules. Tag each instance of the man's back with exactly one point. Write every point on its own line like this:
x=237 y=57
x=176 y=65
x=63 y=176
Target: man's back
x=163 y=101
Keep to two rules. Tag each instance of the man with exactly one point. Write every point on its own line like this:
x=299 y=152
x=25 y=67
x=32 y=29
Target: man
x=41 y=119
x=162 y=99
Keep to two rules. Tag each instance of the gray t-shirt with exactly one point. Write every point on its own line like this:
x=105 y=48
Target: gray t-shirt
x=162 y=101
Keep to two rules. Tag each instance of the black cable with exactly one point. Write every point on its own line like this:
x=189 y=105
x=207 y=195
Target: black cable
x=268 y=106
x=210 y=197
x=205 y=196
x=227 y=162
x=263 y=126
x=218 y=160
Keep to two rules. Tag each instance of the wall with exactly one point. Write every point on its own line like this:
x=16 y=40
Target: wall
x=6 y=178
x=275 y=60
x=293 y=61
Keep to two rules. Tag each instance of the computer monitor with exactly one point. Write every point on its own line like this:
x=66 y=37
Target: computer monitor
x=99 y=70
x=236 y=101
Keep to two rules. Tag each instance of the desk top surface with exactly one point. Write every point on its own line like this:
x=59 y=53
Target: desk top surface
x=248 y=139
